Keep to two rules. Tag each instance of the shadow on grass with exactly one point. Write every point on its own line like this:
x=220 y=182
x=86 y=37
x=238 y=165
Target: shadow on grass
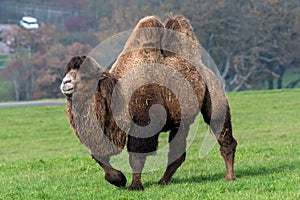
x=240 y=173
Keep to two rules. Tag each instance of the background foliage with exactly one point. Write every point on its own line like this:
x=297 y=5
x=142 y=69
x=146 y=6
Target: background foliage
x=255 y=44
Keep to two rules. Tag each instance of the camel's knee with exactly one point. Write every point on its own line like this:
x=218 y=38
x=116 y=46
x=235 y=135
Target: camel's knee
x=227 y=147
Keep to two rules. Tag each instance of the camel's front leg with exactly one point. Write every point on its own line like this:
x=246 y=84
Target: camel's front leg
x=112 y=175
x=137 y=162
x=139 y=149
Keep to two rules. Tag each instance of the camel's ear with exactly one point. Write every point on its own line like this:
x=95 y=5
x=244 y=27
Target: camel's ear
x=75 y=62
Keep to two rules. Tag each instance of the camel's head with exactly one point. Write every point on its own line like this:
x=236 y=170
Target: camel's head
x=68 y=82
x=85 y=81
x=83 y=74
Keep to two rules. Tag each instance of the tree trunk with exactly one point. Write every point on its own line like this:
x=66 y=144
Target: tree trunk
x=227 y=66
x=280 y=78
x=270 y=84
x=279 y=83
x=16 y=90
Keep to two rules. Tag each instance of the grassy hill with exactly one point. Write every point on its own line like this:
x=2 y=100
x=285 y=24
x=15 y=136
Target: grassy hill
x=40 y=157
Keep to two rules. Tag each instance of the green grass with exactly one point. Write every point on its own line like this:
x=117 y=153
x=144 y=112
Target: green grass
x=6 y=91
x=40 y=158
x=3 y=60
x=291 y=76
x=6 y=86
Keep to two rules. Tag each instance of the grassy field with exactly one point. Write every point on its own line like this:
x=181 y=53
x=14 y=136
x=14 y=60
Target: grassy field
x=6 y=92
x=40 y=158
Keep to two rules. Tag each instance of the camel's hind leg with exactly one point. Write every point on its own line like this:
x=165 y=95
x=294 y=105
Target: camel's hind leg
x=177 y=154
x=219 y=120
x=227 y=148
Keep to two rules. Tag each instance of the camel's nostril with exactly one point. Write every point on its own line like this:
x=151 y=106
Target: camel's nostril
x=67 y=79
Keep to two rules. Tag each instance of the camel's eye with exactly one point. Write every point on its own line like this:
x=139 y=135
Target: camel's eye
x=103 y=76
x=73 y=74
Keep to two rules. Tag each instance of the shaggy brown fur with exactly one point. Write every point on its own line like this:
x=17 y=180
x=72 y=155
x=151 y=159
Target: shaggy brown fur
x=162 y=64
x=88 y=72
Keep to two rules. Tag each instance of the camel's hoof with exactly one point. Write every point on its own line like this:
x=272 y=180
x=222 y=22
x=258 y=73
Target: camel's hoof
x=163 y=182
x=229 y=178
x=136 y=186
x=117 y=179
